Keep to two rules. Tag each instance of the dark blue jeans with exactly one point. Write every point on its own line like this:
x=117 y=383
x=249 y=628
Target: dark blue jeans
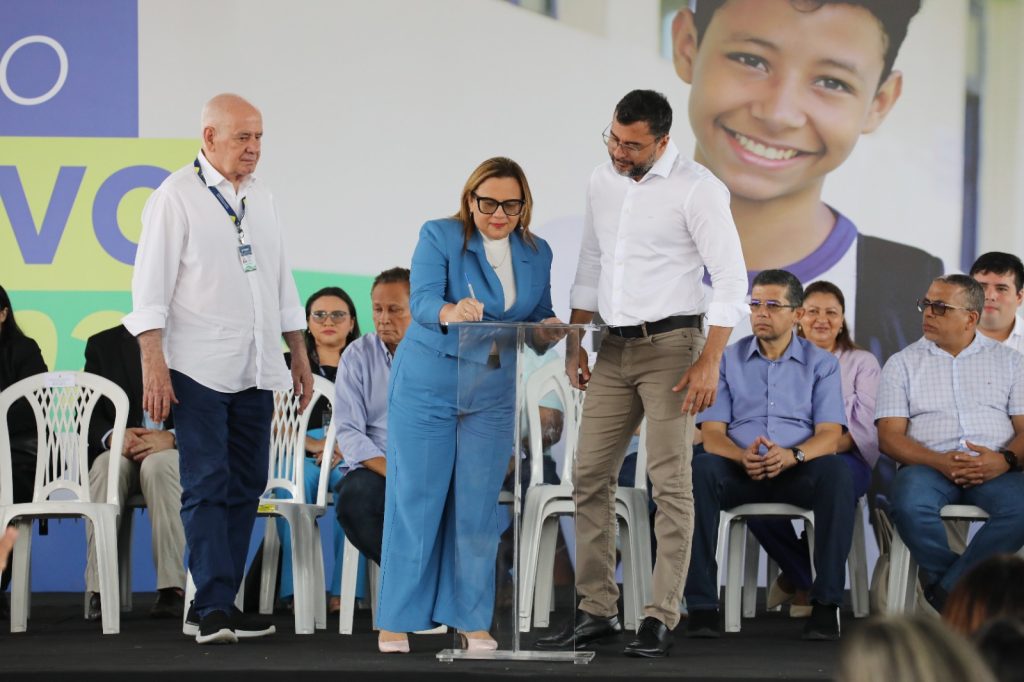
x=822 y=485
x=359 y=504
x=780 y=541
x=919 y=492
x=223 y=446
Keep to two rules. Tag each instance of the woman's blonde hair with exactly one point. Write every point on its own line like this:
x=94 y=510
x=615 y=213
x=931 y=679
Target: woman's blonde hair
x=497 y=167
x=917 y=648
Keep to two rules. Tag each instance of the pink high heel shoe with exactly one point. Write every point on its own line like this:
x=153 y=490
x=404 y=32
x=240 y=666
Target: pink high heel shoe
x=393 y=646
x=477 y=643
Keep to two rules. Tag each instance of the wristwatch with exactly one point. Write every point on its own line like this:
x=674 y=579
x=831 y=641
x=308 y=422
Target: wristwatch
x=1011 y=459
x=799 y=455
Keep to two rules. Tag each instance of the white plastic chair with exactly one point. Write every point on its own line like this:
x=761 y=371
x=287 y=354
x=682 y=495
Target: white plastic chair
x=287 y=457
x=744 y=552
x=63 y=404
x=902 y=593
x=543 y=504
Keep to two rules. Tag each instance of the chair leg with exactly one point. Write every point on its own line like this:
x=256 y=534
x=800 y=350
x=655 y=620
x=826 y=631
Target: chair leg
x=858 y=566
x=21 y=567
x=319 y=581
x=543 y=572
x=105 y=534
x=349 y=578
x=190 y=595
x=268 y=572
x=734 y=574
x=302 y=571
x=124 y=557
x=902 y=571
x=530 y=534
x=751 y=562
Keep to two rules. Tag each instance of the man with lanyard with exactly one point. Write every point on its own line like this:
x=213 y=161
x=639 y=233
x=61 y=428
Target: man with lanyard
x=654 y=222
x=212 y=293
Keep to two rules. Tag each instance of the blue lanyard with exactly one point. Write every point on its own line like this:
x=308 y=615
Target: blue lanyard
x=235 y=218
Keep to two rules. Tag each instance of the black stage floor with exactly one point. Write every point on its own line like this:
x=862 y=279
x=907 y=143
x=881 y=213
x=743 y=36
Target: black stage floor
x=60 y=644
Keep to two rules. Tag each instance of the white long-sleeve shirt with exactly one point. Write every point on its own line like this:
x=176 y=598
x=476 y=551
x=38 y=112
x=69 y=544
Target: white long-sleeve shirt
x=221 y=326
x=646 y=244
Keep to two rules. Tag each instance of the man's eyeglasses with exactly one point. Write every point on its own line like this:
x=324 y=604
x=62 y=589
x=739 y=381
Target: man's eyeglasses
x=488 y=205
x=614 y=143
x=770 y=306
x=939 y=308
x=322 y=315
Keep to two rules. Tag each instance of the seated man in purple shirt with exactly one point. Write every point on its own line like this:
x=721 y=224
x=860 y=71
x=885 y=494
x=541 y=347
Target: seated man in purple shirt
x=770 y=437
x=361 y=413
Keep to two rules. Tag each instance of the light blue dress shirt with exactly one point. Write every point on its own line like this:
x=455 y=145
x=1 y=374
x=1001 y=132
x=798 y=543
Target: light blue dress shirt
x=361 y=400
x=781 y=399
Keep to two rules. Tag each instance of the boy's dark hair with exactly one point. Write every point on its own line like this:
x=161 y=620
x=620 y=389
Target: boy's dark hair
x=974 y=294
x=782 y=278
x=893 y=15
x=648 y=106
x=391 y=276
x=999 y=263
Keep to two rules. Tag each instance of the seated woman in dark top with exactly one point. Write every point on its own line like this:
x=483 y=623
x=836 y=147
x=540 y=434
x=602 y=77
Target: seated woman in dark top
x=331 y=326
x=19 y=358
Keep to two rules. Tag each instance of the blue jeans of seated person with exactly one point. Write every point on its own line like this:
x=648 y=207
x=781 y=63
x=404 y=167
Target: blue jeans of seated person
x=223 y=449
x=919 y=492
x=822 y=485
x=311 y=475
x=779 y=539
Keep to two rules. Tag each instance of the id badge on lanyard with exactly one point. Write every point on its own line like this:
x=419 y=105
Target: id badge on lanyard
x=245 y=254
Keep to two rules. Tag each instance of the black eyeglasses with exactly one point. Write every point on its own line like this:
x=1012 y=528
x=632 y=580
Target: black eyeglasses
x=614 y=143
x=939 y=308
x=322 y=315
x=488 y=205
x=771 y=306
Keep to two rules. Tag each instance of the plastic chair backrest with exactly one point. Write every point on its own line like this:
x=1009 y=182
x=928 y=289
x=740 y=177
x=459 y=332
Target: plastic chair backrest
x=288 y=444
x=63 y=404
x=548 y=378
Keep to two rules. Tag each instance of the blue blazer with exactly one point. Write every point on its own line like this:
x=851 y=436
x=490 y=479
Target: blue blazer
x=442 y=272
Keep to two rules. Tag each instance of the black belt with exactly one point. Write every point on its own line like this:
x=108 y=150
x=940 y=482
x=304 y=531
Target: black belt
x=639 y=331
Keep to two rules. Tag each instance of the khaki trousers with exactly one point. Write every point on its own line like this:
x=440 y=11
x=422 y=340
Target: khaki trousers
x=630 y=379
x=157 y=478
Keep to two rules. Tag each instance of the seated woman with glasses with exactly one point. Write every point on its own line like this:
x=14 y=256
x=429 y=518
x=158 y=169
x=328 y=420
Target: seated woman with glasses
x=331 y=327
x=823 y=323
x=446 y=461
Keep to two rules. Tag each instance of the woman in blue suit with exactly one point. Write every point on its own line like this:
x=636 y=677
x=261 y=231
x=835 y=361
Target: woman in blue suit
x=447 y=455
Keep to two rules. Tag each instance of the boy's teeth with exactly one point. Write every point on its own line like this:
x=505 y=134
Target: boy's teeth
x=761 y=150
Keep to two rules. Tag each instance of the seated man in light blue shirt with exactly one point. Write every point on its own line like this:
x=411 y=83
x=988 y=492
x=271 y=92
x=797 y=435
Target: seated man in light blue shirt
x=950 y=410
x=361 y=413
x=771 y=436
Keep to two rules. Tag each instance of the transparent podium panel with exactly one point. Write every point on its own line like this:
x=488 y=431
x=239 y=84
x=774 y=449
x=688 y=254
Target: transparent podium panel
x=511 y=513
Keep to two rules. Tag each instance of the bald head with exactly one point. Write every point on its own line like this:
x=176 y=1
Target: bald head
x=232 y=135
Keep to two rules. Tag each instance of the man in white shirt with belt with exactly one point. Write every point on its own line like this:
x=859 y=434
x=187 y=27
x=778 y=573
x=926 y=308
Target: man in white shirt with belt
x=654 y=222
x=212 y=294
x=1001 y=275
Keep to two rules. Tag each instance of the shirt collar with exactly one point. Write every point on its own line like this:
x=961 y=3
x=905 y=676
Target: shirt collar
x=663 y=166
x=794 y=351
x=1018 y=327
x=979 y=344
x=383 y=348
x=214 y=177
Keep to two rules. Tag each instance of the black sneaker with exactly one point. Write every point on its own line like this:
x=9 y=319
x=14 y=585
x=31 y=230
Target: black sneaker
x=191 y=626
x=247 y=626
x=215 y=628
x=169 y=604
x=703 y=624
x=823 y=625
